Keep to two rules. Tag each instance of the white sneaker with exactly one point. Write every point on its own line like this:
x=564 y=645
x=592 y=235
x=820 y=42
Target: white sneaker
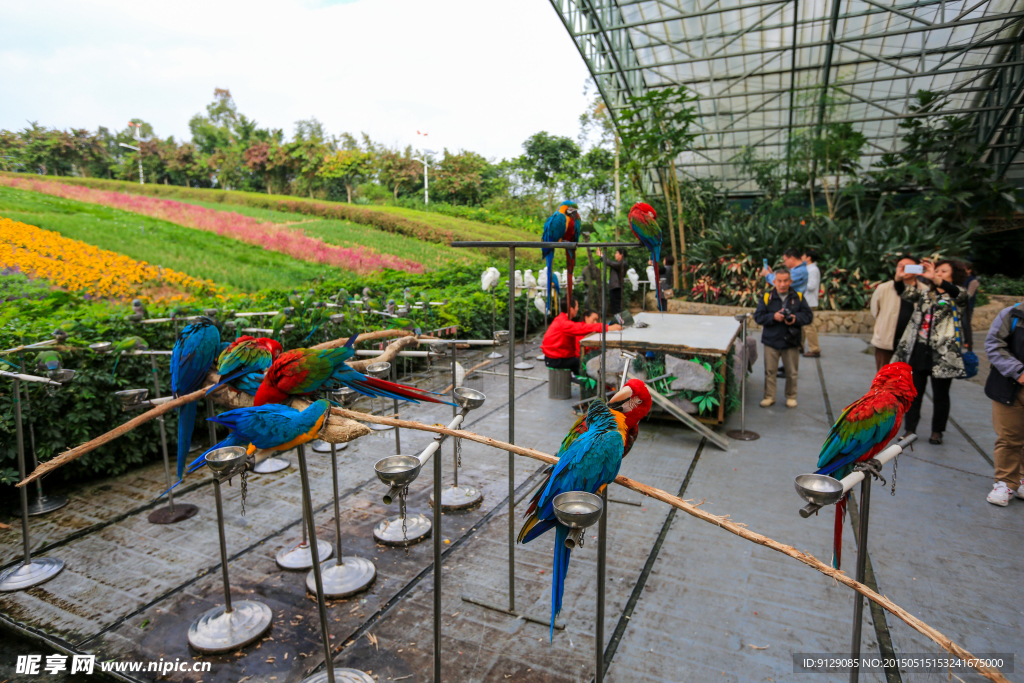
x=1000 y=494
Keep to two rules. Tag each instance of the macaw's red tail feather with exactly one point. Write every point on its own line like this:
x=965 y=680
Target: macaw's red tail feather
x=657 y=281
x=837 y=536
x=382 y=387
x=570 y=261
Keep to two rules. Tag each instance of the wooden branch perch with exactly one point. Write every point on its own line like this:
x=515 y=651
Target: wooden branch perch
x=720 y=521
x=335 y=433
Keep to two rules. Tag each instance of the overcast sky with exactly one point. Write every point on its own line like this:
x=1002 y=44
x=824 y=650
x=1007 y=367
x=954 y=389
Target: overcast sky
x=481 y=75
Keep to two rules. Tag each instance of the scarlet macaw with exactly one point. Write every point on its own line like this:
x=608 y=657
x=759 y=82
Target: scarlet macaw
x=271 y=427
x=863 y=429
x=641 y=222
x=304 y=371
x=588 y=460
x=245 y=358
x=193 y=353
x=562 y=226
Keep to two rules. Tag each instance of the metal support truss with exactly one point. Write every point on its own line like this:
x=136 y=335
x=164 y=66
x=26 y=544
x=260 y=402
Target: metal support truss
x=1000 y=123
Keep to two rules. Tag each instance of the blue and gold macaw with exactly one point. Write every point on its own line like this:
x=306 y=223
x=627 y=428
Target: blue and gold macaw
x=588 y=460
x=243 y=361
x=642 y=223
x=863 y=429
x=562 y=226
x=191 y=358
x=273 y=427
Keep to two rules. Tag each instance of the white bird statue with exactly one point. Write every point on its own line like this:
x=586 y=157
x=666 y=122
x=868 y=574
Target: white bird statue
x=634 y=278
x=460 y=374
x=651 y=280
x=541 y=305
x=489 y=278
x=530 y=281
x=519 y=282
x=542 y=279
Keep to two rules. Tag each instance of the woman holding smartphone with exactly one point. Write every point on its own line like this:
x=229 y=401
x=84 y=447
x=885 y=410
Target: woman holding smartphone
x=931 y=342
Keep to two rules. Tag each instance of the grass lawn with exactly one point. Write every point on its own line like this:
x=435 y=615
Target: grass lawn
x=348 y=234
x=194 y=252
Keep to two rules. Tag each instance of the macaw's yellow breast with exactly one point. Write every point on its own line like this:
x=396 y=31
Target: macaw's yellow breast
x=305 y=437
x=620 y=425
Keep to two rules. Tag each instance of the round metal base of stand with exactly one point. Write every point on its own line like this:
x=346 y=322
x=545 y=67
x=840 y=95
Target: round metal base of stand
x=742 y=435
x=196 y=447
x=494 y=354
x=44 y=504
x=539 y=357
x=389 y=531
x=378 y=428
x=24 y=576
x=217 y=631
x=342 y=580
x=341 y=676
x=300 y=556
x=324 y=447
x=523 y=365
x=459 y=498
x=271 y=465
x=172 y=515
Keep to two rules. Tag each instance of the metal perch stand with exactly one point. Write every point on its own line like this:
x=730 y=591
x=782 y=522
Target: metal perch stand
x=742 y=434
x=42 y=503
x=398 y=471
x=456 y=496
x=230 y=626
x=511 y=246
x=31 y=572
x=820 y=490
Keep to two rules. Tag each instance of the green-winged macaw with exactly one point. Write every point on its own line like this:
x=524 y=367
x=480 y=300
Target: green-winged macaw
x=863 y=429
x=642 y=223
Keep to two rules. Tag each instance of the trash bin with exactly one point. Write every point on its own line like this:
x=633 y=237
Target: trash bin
x=559 y=386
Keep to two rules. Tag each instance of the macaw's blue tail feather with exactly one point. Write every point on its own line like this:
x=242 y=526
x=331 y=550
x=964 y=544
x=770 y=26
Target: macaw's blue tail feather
x=311 y=332
x=196 y=464
x=538 y=529
x=227 y=378
x=186 y=422
x=114 y=371
x=550 y=258
x=558 y=571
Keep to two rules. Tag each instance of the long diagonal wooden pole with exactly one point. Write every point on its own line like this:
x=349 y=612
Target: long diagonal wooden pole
x=720 y=521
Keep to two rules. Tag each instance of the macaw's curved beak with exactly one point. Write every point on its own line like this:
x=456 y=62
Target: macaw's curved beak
x=620 y=397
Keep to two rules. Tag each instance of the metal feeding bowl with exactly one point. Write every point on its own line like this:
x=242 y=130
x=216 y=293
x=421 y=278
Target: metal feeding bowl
x=469 y=399
x=130 y=398
x=288 y=328
x=578 y=509
x=63 y=376
x=337 y=318
x=101 y=347
x=397 y=471
x=345 y=396
x=226 y=461
x=210 y=312
x=819 y=489
x=439 y=348
x=501 y=337
x=378 y=370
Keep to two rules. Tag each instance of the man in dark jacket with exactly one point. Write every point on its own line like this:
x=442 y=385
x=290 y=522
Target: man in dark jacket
x=616 y=276
x=781 y=312
x=1004 y=347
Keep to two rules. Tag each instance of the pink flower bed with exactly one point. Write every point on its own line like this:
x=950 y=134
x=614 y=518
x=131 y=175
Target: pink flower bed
x=292 y=242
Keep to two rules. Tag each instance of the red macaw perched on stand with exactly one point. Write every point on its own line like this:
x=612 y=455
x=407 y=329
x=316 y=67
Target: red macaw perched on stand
x=863 y=429
x=305 y=371
x=563 y=225
x=193 y=353
x=641 y=222
x=244 y=356
x=588 y=460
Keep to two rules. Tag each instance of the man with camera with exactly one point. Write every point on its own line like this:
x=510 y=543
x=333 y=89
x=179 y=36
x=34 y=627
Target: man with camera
x=781 y=313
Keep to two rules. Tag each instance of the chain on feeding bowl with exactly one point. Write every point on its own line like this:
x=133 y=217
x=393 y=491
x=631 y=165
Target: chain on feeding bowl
x=895 y=465
x=458 y=452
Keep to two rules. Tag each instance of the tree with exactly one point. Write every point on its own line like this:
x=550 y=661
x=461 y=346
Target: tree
x=655 y=129
x=350 y=166
x=397 y=170
x=460 y=177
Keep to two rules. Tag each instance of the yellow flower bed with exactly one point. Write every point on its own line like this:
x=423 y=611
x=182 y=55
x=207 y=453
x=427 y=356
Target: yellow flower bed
x=80 y=267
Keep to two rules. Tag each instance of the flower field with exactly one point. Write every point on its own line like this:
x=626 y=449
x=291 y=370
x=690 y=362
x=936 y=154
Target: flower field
x=289 y=241
x=80 y=267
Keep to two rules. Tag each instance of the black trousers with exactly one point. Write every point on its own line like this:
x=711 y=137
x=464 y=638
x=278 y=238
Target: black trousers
x=564 y=364
x=615 y=303
x=921 y=364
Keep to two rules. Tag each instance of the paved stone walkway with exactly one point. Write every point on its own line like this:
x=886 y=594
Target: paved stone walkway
x=686 y=601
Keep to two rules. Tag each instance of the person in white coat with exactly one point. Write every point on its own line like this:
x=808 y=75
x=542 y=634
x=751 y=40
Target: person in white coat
x=810 y=334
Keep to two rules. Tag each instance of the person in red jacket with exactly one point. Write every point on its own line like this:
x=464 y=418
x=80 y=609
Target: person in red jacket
x=561 y=346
